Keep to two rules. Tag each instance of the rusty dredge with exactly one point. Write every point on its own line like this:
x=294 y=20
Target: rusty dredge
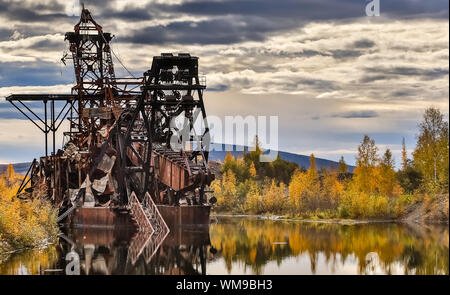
x=123 y=156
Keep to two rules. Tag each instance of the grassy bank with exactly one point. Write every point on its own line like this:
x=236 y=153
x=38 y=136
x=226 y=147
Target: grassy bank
x=23 y=224
x=416 y=209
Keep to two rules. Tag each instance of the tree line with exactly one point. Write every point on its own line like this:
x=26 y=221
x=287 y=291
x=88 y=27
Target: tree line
x=375 y=189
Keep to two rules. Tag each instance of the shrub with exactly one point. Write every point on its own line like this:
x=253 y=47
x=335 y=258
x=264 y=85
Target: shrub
x=24 y=223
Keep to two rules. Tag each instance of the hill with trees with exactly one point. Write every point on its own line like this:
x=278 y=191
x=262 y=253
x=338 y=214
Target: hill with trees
x=219 y=152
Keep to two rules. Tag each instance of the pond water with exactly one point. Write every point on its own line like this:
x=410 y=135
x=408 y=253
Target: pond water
x=235 y=245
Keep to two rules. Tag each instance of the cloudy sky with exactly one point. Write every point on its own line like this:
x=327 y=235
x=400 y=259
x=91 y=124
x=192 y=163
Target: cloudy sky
x=331 y=73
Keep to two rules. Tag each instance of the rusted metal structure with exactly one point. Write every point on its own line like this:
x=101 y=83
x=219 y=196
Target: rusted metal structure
x=122 y=151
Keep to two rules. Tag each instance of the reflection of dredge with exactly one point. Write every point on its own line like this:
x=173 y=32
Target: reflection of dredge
x=103 y=251
x=120 y=155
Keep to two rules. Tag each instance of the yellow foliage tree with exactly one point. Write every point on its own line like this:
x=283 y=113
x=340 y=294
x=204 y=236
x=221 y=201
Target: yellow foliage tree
x=253 y=200
x=297 y=190
x=431 y=155
x=24 y=224
x=312 y=171
x=252 y=170
x=274 y=197
x=331 y=191
x=365 y=175
x=226 y=193
x=386 y=177
x=342 y=165
x=10 y=172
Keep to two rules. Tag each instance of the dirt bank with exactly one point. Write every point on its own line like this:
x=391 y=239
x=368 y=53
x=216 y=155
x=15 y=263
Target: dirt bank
x=435 y=211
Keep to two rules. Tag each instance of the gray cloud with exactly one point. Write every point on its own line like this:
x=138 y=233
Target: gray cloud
x=255 y=20
x=306 y=9
x=247 y=20
x=404 y=93
x=345 y=54
x=373 y=78
x=30 y=11
x=364 y=43
x=356 y=114
x=227 y=30
x=410 y=71
x=218 y=88
x=5 y=34
x=48 y=44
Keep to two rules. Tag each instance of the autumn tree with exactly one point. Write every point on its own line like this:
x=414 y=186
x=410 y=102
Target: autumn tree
x=237 y=166
x=304 y=188
x=23 y=224
x=312 y=171
x=252 y=170
x=330 y=191
x=228 y=161
x=342 y=168
x=279 y=169
x=409 y=177
x=274 y=199
x=404 y=155
x=432 y=151
x=387 y=174
x=253 y=156
x=10 y=173
x=298 y=190
x=226 y=191
x=253 y=200
x=364 y=174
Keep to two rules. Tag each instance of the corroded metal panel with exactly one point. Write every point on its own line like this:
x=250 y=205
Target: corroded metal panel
x=185 y=215
x=100 y=217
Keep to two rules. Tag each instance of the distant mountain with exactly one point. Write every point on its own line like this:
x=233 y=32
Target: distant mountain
x=220 y=150
x=218 y=154
x=20 y=168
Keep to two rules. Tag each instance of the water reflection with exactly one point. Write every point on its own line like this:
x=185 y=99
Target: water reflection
x=247 y=246
x=254 y=246
x=31 y=262
x=182 y=251
x=99 y=251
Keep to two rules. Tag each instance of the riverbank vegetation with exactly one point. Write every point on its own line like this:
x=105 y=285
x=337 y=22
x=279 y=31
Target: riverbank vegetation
x=374 y=190
x=23 y=223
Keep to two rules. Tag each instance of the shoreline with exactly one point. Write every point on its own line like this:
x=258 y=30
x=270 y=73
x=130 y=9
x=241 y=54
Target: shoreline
x=420 y=212
x=328 y=221
x=306 y=220
x=6 y=250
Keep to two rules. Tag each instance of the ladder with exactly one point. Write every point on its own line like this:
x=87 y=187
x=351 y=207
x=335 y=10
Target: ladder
x=152 y=228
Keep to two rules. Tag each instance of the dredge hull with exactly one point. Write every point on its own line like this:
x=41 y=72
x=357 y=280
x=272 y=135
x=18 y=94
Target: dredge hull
x=174 y=216
x=185 y=215
x=99 y=217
